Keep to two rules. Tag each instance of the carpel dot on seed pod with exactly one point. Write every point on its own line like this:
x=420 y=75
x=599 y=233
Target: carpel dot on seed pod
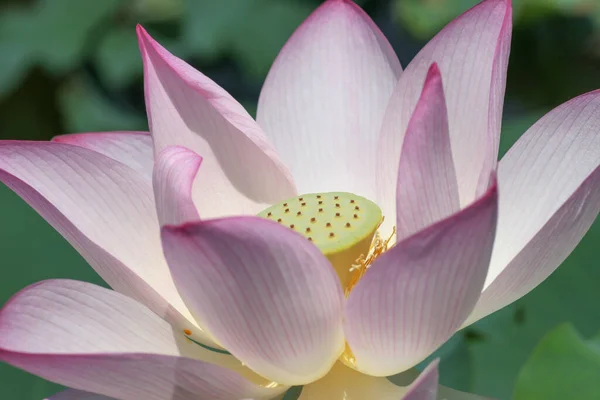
x=341 y=225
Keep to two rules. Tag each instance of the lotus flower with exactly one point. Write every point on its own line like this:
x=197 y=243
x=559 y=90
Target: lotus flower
x=341 y=238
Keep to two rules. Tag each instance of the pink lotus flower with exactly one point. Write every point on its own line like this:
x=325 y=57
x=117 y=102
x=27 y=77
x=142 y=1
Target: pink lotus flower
x=168 y=219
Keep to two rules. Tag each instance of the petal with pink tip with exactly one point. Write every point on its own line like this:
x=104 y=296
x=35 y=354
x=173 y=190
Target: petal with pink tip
x=550 y=183
x=241 y=173
x=427 y=191
x=104 y=209
x=174 y=174
x=325 y=96
x=415 y=295
x=472 y=54
x=133 y=149
x=425 y=387
x=264 y=292
x=97 y=340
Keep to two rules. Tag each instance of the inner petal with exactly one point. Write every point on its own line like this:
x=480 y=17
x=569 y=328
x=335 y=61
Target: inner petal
x=342 y=225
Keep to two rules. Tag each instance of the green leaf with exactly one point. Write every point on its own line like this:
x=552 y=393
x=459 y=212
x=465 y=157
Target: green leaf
x=563 y=366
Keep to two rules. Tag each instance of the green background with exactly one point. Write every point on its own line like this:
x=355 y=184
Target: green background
x=73 y=66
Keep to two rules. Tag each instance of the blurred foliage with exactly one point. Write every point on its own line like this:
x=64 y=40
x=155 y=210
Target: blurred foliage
x=74 y=66
x=425 y=17
x=568 y=365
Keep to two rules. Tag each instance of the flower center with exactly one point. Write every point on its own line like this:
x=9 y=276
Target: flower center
x=342 y=225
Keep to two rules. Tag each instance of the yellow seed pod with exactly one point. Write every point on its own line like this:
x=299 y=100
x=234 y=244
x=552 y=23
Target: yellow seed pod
x=342 y=225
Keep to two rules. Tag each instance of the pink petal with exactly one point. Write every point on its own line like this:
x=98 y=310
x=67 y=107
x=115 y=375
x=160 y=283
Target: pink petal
x=241 y=173
x=93 y=339
x=174 y=174
x=73 y=394
x=104 y=209
x=472 y=54
x=427 y=191
x=346 y=383
x=325 y=96
x=264 y=292
x=425 y=387
x=417 y=294
x=133 y=149
x=550 y=197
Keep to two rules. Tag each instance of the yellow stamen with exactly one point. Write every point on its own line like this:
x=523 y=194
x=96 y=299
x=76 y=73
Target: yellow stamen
x=362 y=263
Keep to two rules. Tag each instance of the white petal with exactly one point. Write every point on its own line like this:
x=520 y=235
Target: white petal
x=325 y=96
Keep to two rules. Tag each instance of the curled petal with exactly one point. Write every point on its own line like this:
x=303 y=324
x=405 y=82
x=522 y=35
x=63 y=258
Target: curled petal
x=174 y=174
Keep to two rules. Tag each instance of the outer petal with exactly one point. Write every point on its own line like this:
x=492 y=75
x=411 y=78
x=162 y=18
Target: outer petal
x=97 y=340
x=73 y=394
x=133 y=149
x=425 y=387
x=324 y=99
x=472 y=54
x=241 y=172
x=427 y=191
x=104 y=209
x=174 y=174
x=550 y=197
x=418 y=293
x=266 y=294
